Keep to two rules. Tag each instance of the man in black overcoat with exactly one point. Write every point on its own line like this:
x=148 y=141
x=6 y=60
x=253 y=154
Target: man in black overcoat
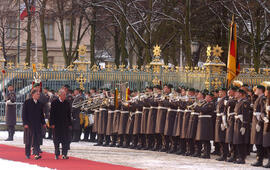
x=60 y=122
x=33 y=120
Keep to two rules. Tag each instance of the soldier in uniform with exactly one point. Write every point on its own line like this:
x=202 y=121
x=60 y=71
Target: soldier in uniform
x=256 y=137
x=10 y=99
x=221 y=124
x=229 y=112
x=241 y=134
x=205 y=126
x=75 y=114
x=266 y=128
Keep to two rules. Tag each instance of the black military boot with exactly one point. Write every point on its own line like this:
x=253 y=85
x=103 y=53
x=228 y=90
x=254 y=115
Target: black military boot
x=173 y=149
x=240 y=161
x=259 y=162
x=121 y=140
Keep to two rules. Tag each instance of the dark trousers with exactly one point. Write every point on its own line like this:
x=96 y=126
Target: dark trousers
x=206 y=147
x=65 y=147
x=224 y=148
x=260 y=152
x=34 y=141
x=183 y=145
x=76 y=135
x=190 y=146
x=241 y=151
x=87 y=132
x=11 y=131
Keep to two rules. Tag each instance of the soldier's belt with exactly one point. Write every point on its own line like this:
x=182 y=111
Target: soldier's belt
x=124 y=112
x=160 y=107
x=195 y=113
x=102 y=109
x=257 y=113
x=138 y=112
x=146 y=108
x=172 y=110
x=117 y=110
x=238 y=116
x=205 y=116
x=220 y=114
x=96 y=110
x=110 y=111
x=188 y=110
x=153 y=107
x=231 y=114
x=179 y=110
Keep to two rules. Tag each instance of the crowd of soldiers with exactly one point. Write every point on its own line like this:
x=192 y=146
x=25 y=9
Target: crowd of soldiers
x=184 y=122
x=177 y=120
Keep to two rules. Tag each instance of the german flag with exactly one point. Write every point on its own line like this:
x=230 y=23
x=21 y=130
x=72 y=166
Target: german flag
x=233 y=66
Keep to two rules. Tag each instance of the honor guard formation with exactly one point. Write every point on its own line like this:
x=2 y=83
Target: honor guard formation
x=182 y=121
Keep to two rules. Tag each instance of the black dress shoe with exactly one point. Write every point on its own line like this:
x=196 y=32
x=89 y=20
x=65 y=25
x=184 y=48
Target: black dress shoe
x=205 y=156
x=56 y=157
x=112 y=145
x=231 y=159
x=65 y=157
x=163 y=150
x=196 y=155
x=27 y=157
x=257 y=163
x=98 y=144
x=37 y=157
x=240 y=161
x=221 y=159
x=106 y=144
x=180 y=153
x=188 y=154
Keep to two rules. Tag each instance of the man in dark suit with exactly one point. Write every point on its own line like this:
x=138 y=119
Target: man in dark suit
x=60 y=122
x=33 y=120
x=10 y=99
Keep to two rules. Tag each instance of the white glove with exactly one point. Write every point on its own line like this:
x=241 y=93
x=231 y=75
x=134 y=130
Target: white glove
x=222 y=126
x=3 y=94
x=268 y=108
x=242 y=130
x=8 y=102
x=225 y=102
x=266 y=120
x=258 y=117
x=258 y=128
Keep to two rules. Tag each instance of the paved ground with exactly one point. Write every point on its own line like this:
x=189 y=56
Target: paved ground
x=134 y=158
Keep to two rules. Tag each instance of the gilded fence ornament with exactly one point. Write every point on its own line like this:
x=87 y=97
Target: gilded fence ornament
x=147 y=68
x=166 y=69
x=70 y=67
x=55 y=67
x=135 y=68
x=10 y=65
x=156 y=62
x=122 y=67
x=81 y=80
x=95 y=68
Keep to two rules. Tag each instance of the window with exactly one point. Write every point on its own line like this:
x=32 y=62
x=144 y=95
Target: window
x=11 y=28
x=50 y=60
x=67 y=30
x=49 y=29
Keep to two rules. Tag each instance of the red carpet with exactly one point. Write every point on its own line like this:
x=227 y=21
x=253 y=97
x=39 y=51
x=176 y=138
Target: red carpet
x=17 y=154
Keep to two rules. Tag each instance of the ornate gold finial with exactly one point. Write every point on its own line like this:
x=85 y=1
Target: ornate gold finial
x=157 y=51
x=208 y=51
x=156 y=81
x=81 y=80
x=82 y=50
x=217 y=51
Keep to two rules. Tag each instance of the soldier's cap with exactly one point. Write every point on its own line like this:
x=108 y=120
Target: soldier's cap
x=241 y=91
x=67 y=86
x=158 y=87
x=245 y=85
x=169 y=86
x=9 y=85
x=205 y=91
x=197 y=91
x=210 y=94
x=150 y=87
x=36 y=85
x=93 y=88
x=261 y=87
x=216 y=91
x=222 y=89
x=233 y=88
x=191 y=89
x=47 y=88
x=78 y=89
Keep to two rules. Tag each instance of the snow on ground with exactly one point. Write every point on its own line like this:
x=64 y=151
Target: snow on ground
x=134 y=158
x=12 y=165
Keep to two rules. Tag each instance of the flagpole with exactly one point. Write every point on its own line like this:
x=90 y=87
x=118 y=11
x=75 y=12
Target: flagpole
x=36 y=41
x=19 y=32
